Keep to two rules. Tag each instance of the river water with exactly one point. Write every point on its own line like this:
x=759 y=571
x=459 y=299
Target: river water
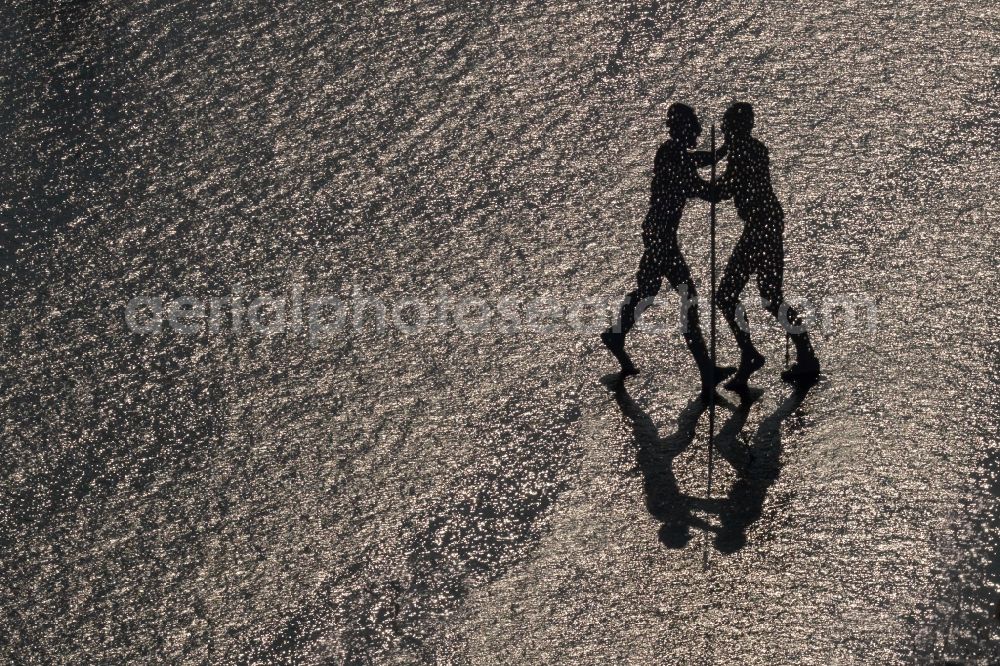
x=476 y=494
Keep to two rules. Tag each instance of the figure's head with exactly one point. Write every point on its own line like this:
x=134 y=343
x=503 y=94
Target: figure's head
x=738 y=119
x=683 y=124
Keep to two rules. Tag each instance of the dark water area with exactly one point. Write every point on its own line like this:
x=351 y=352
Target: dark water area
x=484 y=495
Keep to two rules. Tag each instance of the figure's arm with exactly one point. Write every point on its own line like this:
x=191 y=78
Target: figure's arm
x=723 y=188
x=703 y=158
x=701 y=188
x=711 y=192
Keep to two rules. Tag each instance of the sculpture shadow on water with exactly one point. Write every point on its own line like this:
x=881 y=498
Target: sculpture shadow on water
x=756 y=460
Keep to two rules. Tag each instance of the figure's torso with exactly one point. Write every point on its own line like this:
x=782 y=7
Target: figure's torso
x=673 y=170
x=751 y=188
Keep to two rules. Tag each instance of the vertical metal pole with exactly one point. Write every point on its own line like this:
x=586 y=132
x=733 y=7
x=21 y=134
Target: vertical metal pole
x=711 y=395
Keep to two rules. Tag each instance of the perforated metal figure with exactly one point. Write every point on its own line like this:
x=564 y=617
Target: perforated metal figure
x=675 y=180
x=759 y=250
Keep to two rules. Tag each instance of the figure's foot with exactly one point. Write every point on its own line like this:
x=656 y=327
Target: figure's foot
x=750 y=362
x=802 y=372
x=615 y=342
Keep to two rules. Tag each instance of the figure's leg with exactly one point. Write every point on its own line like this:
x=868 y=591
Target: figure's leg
x=770 y=278
x=648 y=281
x=734 y=279
x=679 y=275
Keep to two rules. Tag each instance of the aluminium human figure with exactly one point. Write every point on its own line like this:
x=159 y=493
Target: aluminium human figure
x=675 y=180
x=759 y=250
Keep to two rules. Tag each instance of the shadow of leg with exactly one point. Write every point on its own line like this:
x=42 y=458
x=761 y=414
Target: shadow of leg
x=655 y=456
x=745 y=502
x=727 y=441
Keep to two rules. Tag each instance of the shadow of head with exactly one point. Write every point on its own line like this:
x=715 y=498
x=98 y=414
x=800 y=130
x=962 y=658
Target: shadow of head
x=675 y=535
